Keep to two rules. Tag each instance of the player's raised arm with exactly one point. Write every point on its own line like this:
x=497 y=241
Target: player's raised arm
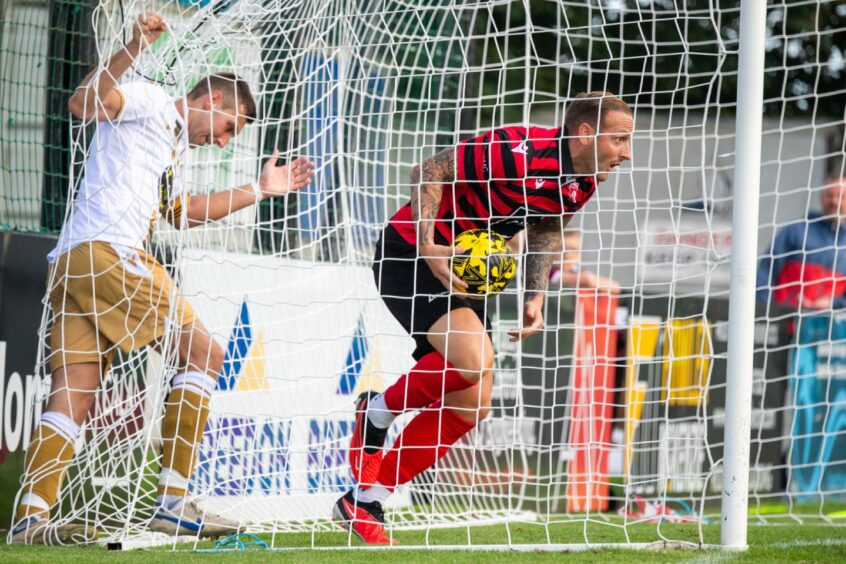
x=427 y=188
x=275 y=181
x=96 y=96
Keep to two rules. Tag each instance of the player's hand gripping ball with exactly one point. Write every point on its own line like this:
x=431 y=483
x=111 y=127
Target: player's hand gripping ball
x=487 y=264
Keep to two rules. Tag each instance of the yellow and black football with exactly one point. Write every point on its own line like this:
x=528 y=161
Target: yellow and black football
x=487 y=264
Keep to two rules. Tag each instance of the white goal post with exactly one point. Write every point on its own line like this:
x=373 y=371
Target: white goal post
x=747 y=173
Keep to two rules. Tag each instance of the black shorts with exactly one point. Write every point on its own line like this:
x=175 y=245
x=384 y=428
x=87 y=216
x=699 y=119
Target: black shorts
x=412 y=293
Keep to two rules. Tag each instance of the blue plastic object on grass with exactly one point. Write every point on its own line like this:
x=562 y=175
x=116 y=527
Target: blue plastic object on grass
x=240 y=542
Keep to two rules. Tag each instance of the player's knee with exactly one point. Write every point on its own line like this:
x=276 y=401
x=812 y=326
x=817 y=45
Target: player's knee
x=470 y=375
x=475 y=365
x=472 y=404
x=205 y=354
x=216 y=357
x=81 y=405
x=483 y=413
x=74 y=390
x=473 y=411
x=486 y=393
x=489 y=361
x=485 y=401
x=210 y=363
x=208 y=359
x=477 y=375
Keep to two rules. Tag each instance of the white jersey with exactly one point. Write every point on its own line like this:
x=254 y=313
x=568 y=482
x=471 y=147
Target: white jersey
x=129 y=172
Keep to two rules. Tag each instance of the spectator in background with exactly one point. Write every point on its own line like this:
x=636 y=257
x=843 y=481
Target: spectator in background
x=806 y=266
x=568 y=273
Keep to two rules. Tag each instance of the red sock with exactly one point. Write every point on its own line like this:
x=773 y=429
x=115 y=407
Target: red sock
x=424 y=441
x=427 y=382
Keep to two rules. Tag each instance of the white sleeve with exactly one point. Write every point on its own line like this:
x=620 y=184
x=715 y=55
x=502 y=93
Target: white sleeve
x=140 y=99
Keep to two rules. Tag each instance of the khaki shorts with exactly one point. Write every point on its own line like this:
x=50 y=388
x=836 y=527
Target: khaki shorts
x=104 y=300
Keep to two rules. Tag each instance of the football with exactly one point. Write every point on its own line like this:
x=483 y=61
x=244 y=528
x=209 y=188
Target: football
x=487 y=264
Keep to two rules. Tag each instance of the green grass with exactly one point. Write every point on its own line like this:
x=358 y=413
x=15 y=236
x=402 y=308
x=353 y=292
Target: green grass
x=770 y=543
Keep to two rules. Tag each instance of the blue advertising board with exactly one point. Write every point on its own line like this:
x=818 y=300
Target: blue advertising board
x=817 y=453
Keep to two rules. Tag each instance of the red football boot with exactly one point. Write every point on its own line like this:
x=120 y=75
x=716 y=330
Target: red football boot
x=366 y=444
x=364 y=520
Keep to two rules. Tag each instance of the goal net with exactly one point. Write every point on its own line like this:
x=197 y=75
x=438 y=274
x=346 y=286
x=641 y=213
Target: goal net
x=608 y=427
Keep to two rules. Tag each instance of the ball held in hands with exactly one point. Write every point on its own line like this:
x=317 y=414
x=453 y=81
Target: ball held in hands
x=486 y=266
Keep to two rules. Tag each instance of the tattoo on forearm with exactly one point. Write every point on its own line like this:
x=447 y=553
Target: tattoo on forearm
x=544 y=244
x=427 y=188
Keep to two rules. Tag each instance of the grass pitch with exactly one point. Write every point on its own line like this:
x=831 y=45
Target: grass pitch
x=781 y=542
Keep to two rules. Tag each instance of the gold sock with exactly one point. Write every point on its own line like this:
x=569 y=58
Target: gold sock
x=47 y=460
x=186 y=413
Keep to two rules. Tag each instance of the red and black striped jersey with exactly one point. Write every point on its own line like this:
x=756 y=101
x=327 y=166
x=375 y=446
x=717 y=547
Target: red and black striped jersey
x=507 y=180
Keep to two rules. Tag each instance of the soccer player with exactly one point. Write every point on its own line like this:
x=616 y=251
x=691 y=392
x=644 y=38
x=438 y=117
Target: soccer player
x=107 y=293
x=507 y=180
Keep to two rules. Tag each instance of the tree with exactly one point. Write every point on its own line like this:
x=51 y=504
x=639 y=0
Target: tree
x=668 y=52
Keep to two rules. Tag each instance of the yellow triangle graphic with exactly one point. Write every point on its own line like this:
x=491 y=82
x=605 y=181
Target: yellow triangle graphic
x=252 y=378
x=371 y=373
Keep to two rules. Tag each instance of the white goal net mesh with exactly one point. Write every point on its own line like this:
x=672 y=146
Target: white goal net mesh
x=606 y=427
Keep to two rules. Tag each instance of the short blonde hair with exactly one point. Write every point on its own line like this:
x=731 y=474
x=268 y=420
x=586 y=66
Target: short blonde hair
x=591 y=108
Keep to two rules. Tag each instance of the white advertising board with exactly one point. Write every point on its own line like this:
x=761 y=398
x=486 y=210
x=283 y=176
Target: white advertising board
x=302 y=340
x=692 y=254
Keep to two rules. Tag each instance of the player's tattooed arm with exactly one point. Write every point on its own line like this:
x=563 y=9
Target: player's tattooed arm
x=427 y=187
x=544 y=245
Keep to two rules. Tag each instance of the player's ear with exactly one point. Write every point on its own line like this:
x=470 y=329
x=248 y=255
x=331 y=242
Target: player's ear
x=586 y=132
x=215 y=99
